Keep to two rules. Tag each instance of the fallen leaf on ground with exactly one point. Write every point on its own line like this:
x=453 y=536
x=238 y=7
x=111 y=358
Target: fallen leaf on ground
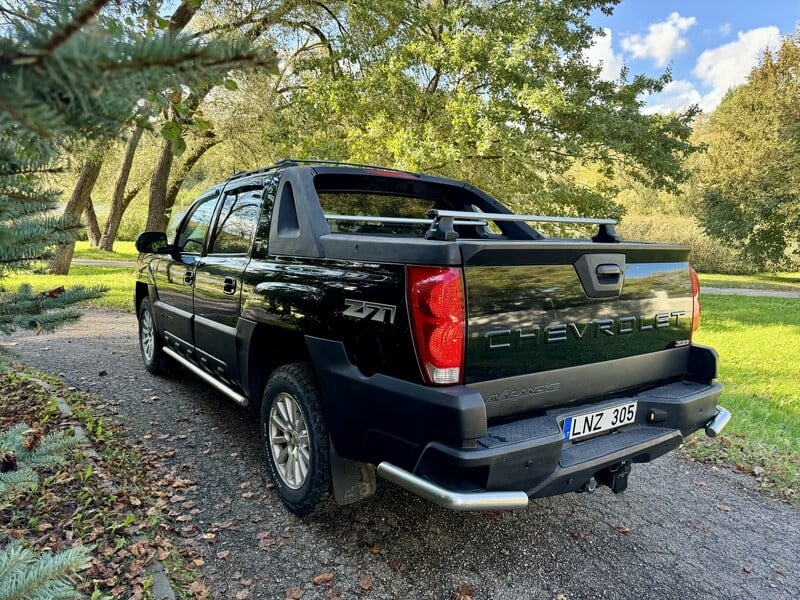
x=198 y=588
x=325 y=578
x=622 y=528
x=195 y=564
x=723 y=507
x=377 y=547
x=465 y=591
x=747 y=568
x=294 y=593
x=365 y=582
x=243 y=594
x=223 y=554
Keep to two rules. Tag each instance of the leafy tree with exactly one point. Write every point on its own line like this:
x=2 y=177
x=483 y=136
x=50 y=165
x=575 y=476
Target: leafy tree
x=69 y=74
x=749 y=196
x=499 y=92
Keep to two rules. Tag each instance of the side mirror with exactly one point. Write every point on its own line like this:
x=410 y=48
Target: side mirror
x=152 y=241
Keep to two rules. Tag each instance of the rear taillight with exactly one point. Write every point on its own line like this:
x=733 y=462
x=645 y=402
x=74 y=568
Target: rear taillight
x=437 y=311
x=696 y=312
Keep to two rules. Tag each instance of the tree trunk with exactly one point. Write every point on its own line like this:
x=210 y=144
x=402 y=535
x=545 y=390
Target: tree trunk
x=117 y=199
x=186 y=168
x=62 y=259
x=92 y=226
x=157 y=203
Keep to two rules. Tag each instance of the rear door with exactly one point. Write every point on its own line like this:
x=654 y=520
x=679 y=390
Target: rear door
x=218 y=278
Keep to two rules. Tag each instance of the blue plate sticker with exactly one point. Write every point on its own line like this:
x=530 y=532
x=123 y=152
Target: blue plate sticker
x=567 y=427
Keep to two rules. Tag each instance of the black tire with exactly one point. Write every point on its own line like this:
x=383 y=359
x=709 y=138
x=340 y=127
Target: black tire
x=150 y=342
x=295 y=439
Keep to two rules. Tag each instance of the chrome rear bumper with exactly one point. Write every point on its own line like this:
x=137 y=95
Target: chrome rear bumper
x=461 y=501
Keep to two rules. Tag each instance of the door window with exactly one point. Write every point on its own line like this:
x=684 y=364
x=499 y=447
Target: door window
x=192 y=235
x=237 y=222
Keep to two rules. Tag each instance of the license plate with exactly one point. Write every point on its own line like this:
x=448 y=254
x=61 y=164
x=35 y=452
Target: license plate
x=582 y=425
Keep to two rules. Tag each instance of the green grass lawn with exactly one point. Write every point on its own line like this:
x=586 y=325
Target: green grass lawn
x=758 y=341
x=122 y=251
x=119 y=281
x=760 y=281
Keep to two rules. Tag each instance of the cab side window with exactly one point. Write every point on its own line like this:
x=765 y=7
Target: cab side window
x=237 y=221
x=191 y=237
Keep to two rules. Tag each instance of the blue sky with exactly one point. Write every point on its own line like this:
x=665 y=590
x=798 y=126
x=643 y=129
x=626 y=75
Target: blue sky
x=710 y=45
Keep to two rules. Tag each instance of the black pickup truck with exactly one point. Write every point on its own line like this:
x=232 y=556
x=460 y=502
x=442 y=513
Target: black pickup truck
x=393 y=322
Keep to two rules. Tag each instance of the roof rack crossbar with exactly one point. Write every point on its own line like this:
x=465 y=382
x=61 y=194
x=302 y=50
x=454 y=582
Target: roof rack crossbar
x=443 y=221
x=435 y=213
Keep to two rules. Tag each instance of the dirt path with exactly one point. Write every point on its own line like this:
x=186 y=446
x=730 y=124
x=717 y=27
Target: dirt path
x=681 y=531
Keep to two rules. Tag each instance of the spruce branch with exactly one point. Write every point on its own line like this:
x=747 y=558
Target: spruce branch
x=81 y=18
x=49 y=575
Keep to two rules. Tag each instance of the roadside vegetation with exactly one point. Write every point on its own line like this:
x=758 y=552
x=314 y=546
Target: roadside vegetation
x=757 y=340
x=106 y=499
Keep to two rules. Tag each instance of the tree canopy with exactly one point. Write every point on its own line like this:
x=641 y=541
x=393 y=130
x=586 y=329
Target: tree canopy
x=749 y=196
x=498 y=92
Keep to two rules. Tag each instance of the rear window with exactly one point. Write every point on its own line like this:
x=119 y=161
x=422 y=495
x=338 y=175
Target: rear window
x=386 y=200
x=364 y=204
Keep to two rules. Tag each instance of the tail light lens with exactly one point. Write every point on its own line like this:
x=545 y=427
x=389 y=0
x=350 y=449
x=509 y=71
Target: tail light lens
x=696 y=312
x=437 y=311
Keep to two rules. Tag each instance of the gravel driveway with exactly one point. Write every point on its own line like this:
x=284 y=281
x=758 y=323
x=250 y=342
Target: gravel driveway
x=682 y=530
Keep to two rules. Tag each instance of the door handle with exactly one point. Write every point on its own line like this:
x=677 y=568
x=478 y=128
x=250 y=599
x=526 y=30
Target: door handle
x=188 y=277
x=229 y=286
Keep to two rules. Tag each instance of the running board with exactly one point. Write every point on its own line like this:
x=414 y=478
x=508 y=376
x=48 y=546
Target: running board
x=461 y=501
x=236 y=397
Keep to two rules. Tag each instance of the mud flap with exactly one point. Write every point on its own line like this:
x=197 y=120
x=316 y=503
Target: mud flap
x=352 y=480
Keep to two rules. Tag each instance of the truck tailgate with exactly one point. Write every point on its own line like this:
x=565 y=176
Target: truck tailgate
x=552 y=323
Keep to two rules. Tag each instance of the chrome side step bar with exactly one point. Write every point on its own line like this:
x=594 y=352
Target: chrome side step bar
x=460 y=501
x=235 y=396
x=718 y=423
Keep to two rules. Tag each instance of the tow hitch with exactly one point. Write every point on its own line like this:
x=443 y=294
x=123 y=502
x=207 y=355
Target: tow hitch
x=615 y=476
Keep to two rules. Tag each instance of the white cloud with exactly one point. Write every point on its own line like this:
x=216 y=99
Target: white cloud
x=663 y=40
x=728 y=65
x=725 y=29
x=676 y=96
x=601 y=54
